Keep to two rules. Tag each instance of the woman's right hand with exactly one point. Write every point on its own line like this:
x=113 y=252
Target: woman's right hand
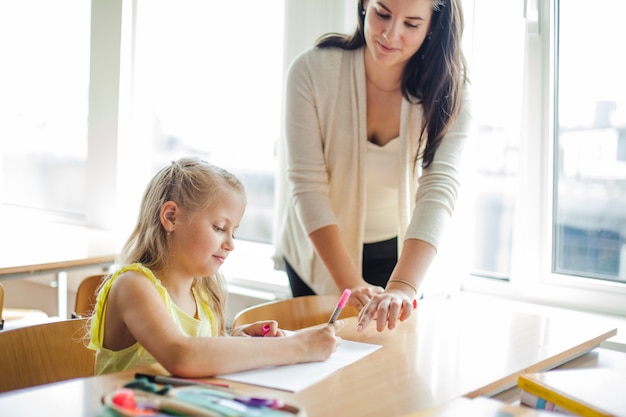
x=318 y=343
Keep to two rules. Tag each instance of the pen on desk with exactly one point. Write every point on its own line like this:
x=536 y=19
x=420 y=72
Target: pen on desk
x=340 y=305
x=160 y=379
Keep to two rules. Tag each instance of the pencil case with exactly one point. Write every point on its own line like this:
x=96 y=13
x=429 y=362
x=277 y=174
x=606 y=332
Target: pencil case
x=193 y=401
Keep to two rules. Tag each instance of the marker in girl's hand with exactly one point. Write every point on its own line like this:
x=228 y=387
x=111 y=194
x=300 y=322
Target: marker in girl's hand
x=340 y=305
x=266 y=329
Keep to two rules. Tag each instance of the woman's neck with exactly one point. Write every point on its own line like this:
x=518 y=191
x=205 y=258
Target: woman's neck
x=383 y=79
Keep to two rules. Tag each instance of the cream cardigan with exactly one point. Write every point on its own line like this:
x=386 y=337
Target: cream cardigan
x=326 y=138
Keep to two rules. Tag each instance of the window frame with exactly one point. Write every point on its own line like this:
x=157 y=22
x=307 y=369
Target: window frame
x=532 y=278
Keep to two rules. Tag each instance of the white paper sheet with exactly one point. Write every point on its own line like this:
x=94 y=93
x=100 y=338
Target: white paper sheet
x=299 y=376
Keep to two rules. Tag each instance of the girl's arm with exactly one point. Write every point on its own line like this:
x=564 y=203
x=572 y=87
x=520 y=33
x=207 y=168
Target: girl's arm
x=136 y=312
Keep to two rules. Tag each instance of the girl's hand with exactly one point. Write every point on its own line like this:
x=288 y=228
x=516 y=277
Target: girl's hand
x=387 y=309
x=318 y=343
x=362 y=295
x=265 y=328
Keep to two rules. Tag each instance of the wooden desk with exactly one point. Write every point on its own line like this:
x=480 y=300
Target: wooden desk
x=449 y=348
x=53 y=248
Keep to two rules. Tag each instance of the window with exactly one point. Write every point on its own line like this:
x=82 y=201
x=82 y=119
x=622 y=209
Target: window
x=496 y=64
x=542 y=208
x=590 y=132
x=43 y=106
x=549 y=191
x=208 y=82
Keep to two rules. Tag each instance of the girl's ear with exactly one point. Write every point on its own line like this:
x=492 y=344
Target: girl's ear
x=169 y=214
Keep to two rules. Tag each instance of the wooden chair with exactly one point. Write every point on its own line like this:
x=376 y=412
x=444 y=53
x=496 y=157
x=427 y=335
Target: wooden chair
x=294 y=313
x=86 y=295
x=44 y=353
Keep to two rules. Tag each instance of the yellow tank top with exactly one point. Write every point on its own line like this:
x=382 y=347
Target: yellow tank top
x=135 y=355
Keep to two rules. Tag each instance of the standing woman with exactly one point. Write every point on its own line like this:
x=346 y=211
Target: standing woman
x=375 y=126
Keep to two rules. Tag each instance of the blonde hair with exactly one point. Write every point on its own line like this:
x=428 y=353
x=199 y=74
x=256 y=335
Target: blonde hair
x=193 y=184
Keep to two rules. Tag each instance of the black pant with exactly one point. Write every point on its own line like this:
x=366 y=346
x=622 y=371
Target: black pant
x=379 y=259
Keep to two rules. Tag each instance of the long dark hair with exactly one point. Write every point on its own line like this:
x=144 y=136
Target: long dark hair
x=435 y=76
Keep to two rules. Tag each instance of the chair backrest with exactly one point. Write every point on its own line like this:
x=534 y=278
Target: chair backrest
x=44 y=353
x=294 y=313
x=86 y=295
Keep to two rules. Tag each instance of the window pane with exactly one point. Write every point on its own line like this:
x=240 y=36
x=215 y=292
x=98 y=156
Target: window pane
x=590 y=207
x=208 y=82
x=44 y=49
x=496 y=67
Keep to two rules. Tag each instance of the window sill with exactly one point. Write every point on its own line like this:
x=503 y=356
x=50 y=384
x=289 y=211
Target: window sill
x=554 y=300
x=249 y=271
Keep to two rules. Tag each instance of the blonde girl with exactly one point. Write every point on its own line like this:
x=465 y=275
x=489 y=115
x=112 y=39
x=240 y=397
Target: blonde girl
x=165 y=306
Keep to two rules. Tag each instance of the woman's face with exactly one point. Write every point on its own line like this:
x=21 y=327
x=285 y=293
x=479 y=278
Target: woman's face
x=396 y=29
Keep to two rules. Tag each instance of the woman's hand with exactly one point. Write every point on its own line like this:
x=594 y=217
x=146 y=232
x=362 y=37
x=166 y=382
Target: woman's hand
x=362 y=295
x=265 y=328
x=387 y=309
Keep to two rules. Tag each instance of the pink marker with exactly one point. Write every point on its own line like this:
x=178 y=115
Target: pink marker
x=340 y=305
x=266 y=329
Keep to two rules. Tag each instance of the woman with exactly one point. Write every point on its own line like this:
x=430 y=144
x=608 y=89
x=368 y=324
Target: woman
x=375 y=126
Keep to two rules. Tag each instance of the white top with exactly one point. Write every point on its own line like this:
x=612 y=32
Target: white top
x=382 y=179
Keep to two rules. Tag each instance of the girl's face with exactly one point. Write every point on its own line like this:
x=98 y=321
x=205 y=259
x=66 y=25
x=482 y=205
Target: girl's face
x=396 y=29
x=202 y=240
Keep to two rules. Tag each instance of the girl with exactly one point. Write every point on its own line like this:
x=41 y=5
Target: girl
x=166 y=306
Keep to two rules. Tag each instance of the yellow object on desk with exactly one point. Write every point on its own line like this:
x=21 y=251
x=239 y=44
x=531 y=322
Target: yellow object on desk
x=583 y=392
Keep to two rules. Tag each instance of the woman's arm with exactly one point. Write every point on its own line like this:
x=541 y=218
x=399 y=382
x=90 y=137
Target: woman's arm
x=435 y=200
x=309 y=172
x=396 y=303
x=331 y=249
